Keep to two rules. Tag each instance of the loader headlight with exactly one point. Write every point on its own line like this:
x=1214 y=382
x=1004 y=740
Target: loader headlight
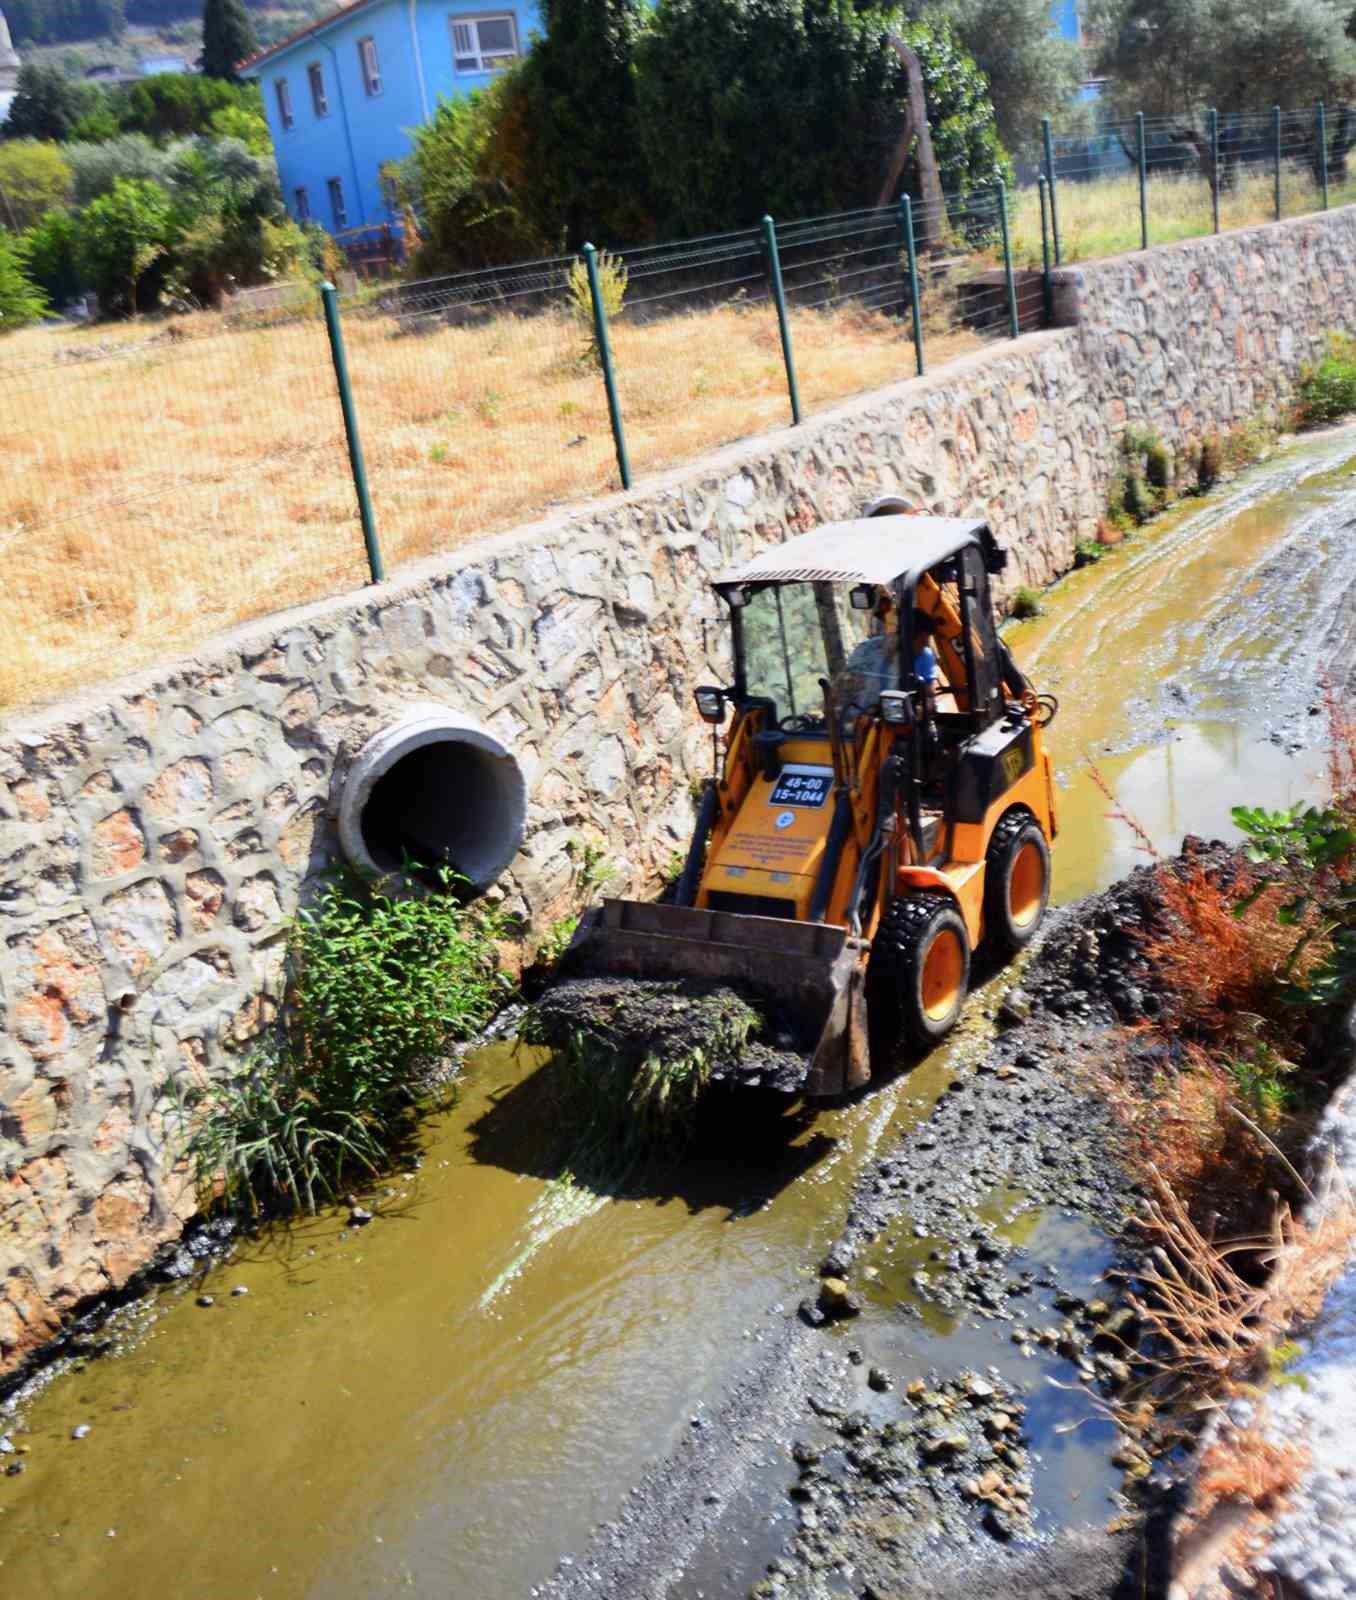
x=710 y=704
x=862 y=597
x=896 y=708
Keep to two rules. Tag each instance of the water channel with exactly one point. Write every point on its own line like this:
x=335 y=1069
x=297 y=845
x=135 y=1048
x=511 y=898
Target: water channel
x=444 y=1401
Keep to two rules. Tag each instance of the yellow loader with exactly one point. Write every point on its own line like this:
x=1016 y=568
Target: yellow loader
x=884 y=803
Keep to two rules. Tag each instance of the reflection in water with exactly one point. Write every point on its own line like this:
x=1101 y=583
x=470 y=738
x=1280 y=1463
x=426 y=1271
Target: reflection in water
x=443 y=1401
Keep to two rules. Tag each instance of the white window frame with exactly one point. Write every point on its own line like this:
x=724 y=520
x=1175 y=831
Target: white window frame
x=315 y=77
x=369 y=66
x=303 y=203
x=282 y=91
x=472 y=23
x=338 y=207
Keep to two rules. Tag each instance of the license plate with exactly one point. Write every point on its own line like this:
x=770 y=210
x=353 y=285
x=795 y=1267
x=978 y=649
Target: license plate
x=801 y=789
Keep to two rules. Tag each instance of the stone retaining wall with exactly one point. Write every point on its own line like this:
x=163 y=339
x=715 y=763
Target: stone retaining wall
x=157 y=835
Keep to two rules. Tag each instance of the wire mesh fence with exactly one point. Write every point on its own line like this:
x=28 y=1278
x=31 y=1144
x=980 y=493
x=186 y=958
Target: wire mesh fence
x=159 y=485
x=477 y=402
x=1159 y=178
x=163 y=482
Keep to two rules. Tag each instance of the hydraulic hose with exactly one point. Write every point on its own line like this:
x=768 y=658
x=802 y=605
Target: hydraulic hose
x=686 y=891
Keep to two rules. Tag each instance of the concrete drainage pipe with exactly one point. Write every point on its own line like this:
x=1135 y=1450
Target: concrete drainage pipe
x=434 y=787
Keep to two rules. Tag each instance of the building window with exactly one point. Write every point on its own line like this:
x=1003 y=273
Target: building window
x=484 y=44
x=303 y=205
x=337 y=207
x=367 y=62
x=316 y=78
x=284 y=95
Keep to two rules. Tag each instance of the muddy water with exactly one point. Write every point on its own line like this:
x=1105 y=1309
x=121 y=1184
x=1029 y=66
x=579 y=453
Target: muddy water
x=443 y=1401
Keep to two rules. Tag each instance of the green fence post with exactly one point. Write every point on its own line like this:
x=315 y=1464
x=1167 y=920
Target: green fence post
x=330 y=300
x=1214 y=165
x=911 y=256
x=1050 y=176
x=1276 y=140
x=774 y=272
x=1014 y=324
x=1323 y=150
x=1049 y=288
x=1143 y=181
x=605 y=360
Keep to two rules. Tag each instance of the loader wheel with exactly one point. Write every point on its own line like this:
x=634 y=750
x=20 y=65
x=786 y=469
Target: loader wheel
x=921 y=966
x=1016 y=883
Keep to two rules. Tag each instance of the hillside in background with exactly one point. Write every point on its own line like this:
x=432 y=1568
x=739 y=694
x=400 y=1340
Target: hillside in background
x=80 y=34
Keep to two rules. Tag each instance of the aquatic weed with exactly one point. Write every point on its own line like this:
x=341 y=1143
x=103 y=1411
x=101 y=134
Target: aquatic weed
x=381 y=983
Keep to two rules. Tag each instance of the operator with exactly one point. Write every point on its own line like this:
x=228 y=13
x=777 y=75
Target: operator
x=874 y=663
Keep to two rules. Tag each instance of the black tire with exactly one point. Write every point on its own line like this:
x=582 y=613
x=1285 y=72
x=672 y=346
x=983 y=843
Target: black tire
x=1016 y=883
x=920 y=969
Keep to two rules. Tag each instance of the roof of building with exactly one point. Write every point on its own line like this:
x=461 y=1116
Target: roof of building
x=866 y=550
x=338 y=15
x=9 y=56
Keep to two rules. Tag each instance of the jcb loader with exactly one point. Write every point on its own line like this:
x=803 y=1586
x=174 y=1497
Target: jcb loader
x=884 y=803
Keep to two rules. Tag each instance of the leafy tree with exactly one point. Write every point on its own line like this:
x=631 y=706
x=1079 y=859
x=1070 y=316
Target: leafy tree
x=227 y=37
x=795 y=106
x=456 y=178
x=95 y=168
x=245 y=123
x=21 y=301
x=34 y=179
x=581 y=121
x=49 y=247
x=1174 y=56
x=52 y=21
x=120 y=236
x=1032 y=72
x=174 y=104
x=47 y=104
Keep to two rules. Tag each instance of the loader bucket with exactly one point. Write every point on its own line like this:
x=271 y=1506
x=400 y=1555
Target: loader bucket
x=809 y=975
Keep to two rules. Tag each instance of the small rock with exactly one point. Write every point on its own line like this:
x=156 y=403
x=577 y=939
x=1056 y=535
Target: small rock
x=998 y=1523
x=836 y=1300
x=15 y=1468
x=80 y=1430
x=990 y=1483
x=879 y=1379
x=359 y=1217
x=917 y=1389
x=977 y=1389
x=944 y=1444
x=206 y=1300
x=998 y=1422
x=239 y=1289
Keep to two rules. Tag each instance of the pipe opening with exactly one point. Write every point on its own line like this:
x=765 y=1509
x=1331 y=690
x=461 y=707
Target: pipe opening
x=438 y=790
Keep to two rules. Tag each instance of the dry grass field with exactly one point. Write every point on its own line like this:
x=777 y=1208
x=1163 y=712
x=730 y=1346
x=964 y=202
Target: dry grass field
x=165 y=480
x=1101 y=218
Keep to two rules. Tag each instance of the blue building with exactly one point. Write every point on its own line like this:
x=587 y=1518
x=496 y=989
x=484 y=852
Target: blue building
x=343 y=94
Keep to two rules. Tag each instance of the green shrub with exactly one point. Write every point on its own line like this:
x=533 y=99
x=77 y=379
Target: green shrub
x=1328 y=391
x=1209 y=463
x=612 y=280
x=1026 y=603
x=1138 y=502
x=1088 y=552
x=1158 y=465
x=21 y=301
x=381 y=985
